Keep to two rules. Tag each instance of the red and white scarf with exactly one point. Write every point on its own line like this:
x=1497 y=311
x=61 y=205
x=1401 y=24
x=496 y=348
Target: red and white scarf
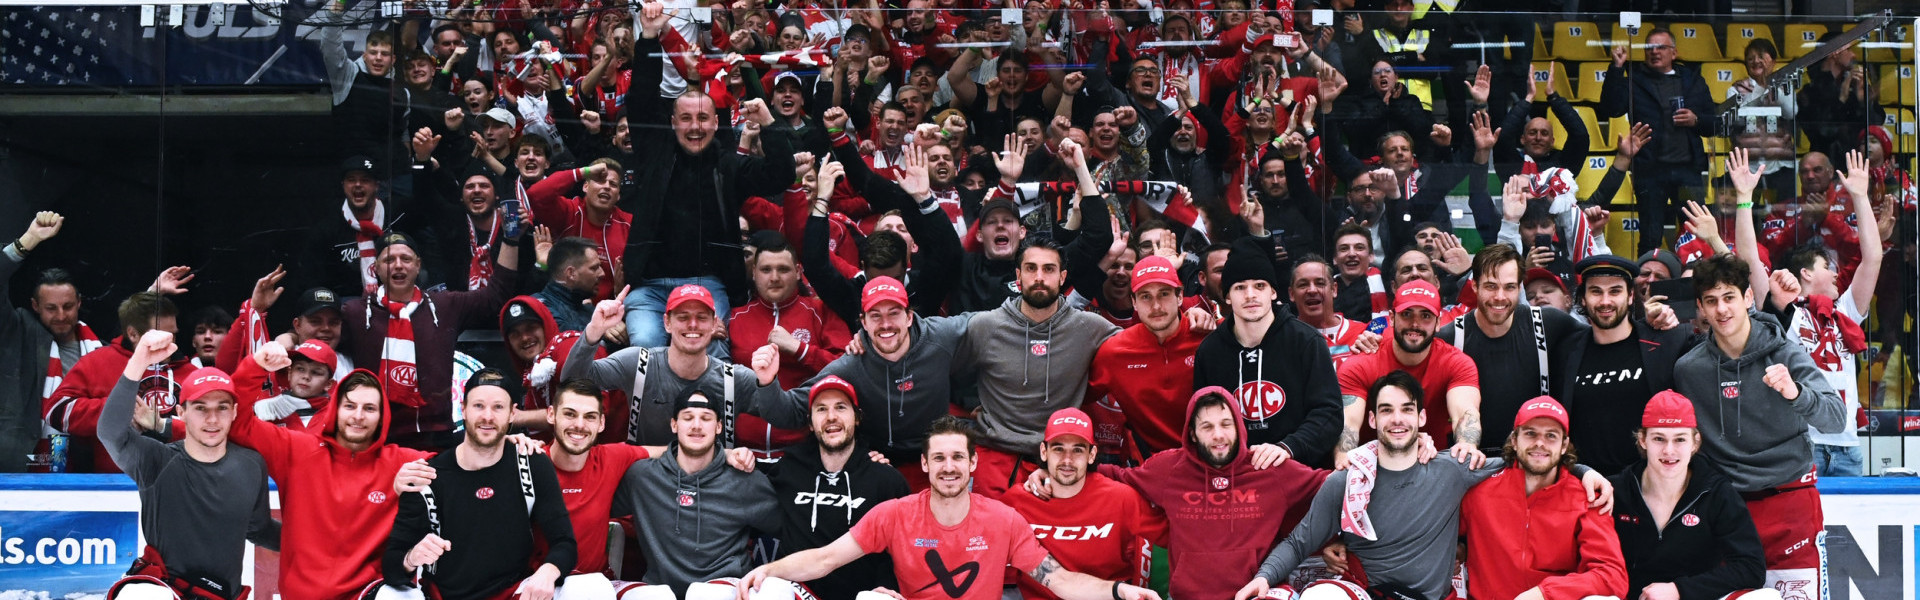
x=1377 y=290
x=398 y=375
x=1363 y=464
x=480 y=253
x=364 y=233
x=57 y=371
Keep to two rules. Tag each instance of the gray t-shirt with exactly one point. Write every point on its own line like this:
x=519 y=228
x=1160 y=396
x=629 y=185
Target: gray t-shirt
x=1416 y=520
x=198 y=515
x=69 y=355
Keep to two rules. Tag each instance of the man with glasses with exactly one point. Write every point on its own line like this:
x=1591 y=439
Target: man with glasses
x=1675 y=101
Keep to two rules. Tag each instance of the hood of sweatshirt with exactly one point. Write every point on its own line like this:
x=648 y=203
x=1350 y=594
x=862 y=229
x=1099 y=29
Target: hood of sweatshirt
x=329 y=421
x=1240 y=463
x=527 y=303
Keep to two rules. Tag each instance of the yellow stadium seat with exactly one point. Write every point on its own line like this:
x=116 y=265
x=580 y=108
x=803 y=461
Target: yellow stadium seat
x=1716 y=165
x=1589 y=178
x=1800 y=38
x=1897 y=34
x=1896 y=85
x=1801 y=146
x=1598 y=138
x=1577 y=41
x=1721 y=76
x=1542 y=49
x=1545 y=71
x=1636 y=42
x=1696 y=42
x=1739 y=35
x=1623 y=226
x=1592 y=76
x=1900 y=125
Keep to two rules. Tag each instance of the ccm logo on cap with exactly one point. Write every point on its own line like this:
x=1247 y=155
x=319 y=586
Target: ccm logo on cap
x=1667 y=421
x=1155 y=269
x=1072 y=421
x=211 y=378
x=1419 y=291
x=882 y=288
x=1545 y=405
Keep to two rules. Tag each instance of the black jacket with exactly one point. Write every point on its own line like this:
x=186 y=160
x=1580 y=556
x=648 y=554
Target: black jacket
x=929 y=280
x=1638 y=96
x=817 y=507
x=658 y=154
x=1709 y=546
x=1203 y=172
x=1300 y=407
x=330 y=258
x=1507 y=155
x=23 y=370
x=1613 y=447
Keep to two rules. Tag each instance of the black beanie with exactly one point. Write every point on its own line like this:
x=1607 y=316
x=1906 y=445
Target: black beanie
x=1250 y=258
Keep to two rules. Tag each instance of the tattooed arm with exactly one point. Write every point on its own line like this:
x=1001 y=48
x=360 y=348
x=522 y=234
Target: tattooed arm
x=1355 y=413
x=1078 y=586
x=1463 y=408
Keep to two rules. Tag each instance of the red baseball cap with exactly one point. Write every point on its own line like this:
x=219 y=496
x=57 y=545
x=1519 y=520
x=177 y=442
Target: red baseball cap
x=1543 y=406
x=1069 y=421
x=1155 y=269
x=832 y=383
x=206 y=380
x=689 y=293
x=1417 y=293
x=1668 y=409
x=317 y=352
x=882 y=289
x=1537 y=274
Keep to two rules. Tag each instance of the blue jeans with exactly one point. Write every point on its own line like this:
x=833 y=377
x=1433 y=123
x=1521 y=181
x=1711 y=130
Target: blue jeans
x=647 y=309
x=1837 y=461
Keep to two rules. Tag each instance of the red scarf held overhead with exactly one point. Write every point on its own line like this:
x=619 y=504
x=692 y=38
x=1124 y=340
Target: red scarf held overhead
x=1822 y=310
x=398 y=375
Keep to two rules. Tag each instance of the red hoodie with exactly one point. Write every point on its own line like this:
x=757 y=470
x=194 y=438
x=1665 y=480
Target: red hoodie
x=537 y=377
x=1147 y=377
x=74 y=407
x=337 y=506
x=253 y=380
x=1549 y=539
x=822 y=339
x=568 y=216
x=1220 y=519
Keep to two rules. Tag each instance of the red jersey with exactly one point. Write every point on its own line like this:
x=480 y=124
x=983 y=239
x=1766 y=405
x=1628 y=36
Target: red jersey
x=822 y=335
x=1340 y=338
x=1104 y=531
x=1548 y=539
x=589 y=494
x=568 y=216
x=1445 y=368
x=936 y=562
x=1150 y=380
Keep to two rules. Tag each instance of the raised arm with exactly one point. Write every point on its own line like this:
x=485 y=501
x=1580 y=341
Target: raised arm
x=1746 y=242
x=1867 y=276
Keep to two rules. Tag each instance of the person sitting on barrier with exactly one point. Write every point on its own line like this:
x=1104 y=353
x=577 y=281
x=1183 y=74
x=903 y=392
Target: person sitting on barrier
x=214 y=494
x=1715 y=550
x=472 y=527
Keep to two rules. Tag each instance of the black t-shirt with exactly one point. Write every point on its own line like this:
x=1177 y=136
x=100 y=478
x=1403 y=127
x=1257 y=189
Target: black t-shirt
x=1510 y=367
x=1609 y=394
x=483 y=515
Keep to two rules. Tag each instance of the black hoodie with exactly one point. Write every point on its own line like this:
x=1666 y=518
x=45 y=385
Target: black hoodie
x=1709 y=546
x=1286 y=385
x=817 y=507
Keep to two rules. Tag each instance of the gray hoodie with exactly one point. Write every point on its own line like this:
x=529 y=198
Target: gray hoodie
x=695 y=526
x=1027 y=370
x=1757 y=437
x=898 y=399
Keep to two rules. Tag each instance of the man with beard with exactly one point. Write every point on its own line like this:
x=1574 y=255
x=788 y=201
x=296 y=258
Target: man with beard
x=340 y=251
x=594 y=215
x=1613 y=372
x=687 y=358
x=334 y=476
x=1451 y=379
x=1036 y=328
x=203 y=499
x=1359 y=292
x=408 y=332
x=1777 y=392
x=1413 y=264
x=827 y=484
x=945 y=525
x=1311 y=294
x=44 y=342
x=1144 y=367
x=1529 y=529
x=687 y=220
x=473 y=526
x=1411 y=554
x=903 y=374
x=695 y=514
x=462 y=244
x=1521 y=350
x=1281 y=372
x=808 y=336
x=1092 y=524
